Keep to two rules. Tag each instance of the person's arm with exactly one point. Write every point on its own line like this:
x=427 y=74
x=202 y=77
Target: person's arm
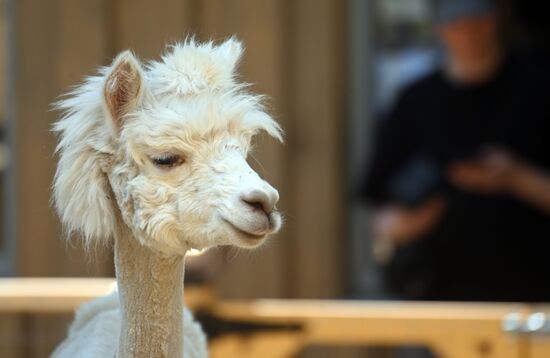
x=500 y=172
x=395 y=144
x=532 y=185
x=402 y=225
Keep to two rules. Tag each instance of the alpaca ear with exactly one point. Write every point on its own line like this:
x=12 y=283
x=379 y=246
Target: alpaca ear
x=231 y=51
x=123 y=87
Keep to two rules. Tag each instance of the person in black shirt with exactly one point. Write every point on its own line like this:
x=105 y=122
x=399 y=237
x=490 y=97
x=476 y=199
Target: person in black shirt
x=460 y=175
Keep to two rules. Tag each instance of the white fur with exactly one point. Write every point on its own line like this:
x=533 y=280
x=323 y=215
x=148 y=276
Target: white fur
x=97 y=327
x=187 y=104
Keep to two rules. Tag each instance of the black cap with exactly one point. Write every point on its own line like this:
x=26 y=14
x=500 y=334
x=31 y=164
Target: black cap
x=451 y=10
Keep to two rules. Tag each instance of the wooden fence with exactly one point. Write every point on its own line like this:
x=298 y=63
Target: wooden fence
x=451 y=330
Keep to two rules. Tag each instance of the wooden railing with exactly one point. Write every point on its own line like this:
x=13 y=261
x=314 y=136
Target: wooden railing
x=452 y=330
x=63 y=295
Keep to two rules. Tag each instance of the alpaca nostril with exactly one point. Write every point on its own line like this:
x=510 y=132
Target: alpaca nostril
x=255 y=204
x=259 y=201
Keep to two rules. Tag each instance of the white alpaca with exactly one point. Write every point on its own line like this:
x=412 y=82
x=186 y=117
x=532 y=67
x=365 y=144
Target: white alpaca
x=154 y=157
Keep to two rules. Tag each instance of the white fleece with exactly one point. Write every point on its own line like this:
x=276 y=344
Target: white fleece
x=95 y=330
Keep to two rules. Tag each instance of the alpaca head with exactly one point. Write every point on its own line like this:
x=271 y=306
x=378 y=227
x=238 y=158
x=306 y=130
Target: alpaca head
x=164 y=146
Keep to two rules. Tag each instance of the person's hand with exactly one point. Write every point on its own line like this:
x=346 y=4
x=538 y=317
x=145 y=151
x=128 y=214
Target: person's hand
x=402 y=225
x=493 y=172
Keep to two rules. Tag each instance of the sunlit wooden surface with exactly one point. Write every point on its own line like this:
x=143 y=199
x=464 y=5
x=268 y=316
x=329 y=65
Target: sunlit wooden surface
x=452 y=330
x=43 y=295
x=63 y=295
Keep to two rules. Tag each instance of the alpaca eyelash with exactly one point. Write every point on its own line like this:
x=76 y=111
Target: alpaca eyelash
x=168 y=160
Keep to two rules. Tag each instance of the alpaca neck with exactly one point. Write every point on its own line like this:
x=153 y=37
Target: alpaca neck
x=151 y=290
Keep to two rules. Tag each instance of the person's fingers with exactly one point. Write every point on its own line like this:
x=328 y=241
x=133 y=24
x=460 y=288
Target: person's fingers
x=387 y=221
x=430 y=214
x=436 y=203
x=474 y=177
x=465 y=174
x=417 y=222
x=465 y=168
x=404 y=225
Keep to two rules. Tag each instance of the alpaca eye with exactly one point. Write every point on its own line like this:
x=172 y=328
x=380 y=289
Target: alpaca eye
x=168 y=161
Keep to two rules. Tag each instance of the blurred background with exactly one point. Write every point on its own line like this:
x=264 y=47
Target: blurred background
x=331 y=69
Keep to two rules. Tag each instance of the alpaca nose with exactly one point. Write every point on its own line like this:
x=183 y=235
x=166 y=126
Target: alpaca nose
x=261 y=200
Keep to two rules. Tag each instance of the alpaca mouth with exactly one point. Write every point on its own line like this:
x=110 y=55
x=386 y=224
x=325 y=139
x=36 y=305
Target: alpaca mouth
x=246 y=234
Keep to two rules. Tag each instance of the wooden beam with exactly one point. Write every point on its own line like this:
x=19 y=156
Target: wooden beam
x=454 y=330
x=64 y=295
x=146 y=26
x=261 y=26
x=51 y=57
x=56 y=44
x=317 y=132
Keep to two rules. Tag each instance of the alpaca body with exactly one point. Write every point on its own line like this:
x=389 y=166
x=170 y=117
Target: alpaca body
x=97 y=326
x=153 y=159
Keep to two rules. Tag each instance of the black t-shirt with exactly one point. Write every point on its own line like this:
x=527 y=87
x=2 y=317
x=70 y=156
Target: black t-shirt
x=487 y=246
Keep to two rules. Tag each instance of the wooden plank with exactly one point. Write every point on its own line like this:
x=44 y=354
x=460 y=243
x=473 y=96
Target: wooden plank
x=43 y=295
x=3 y=62
x=12 y=342
x=294 y=54
x=145 y=26
x=265 y=345
x=539 y=346
x=452 y=330
x=57 y=43
x=63 y=295
x=286 y=311
x=34 y=167
x=317 y=135
x=51 y=56
x=261 y=26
